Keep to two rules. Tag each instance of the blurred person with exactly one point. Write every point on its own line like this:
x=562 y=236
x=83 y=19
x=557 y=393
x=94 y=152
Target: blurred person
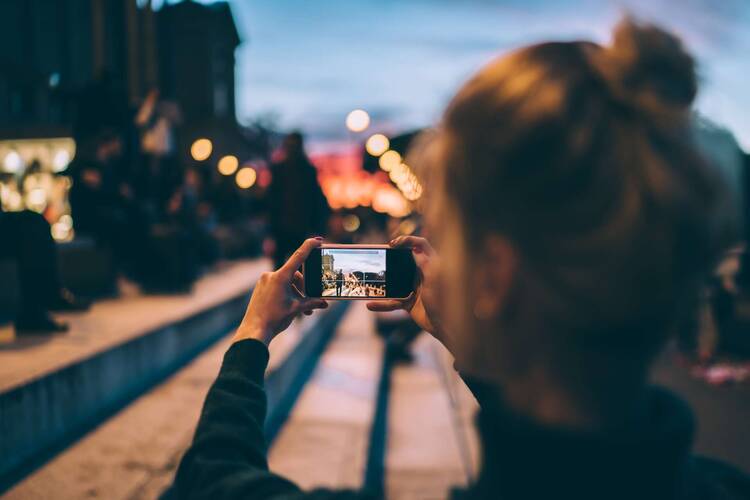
x=297 y=207
x=156 y=170
x=574 y=223
x=190 y=207
x=339 y=282
x=102 y=200
x=27 y=240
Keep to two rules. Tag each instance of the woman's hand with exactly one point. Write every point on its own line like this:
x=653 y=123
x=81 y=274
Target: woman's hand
x=422 y=304
x=277 y=299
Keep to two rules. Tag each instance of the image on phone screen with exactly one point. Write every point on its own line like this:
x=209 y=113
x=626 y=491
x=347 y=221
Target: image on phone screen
x=353 y=272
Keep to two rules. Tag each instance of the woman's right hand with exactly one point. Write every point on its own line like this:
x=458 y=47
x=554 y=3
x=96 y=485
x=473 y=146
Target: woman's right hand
x=422 y=304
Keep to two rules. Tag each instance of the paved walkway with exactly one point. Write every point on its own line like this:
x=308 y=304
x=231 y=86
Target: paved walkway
x=324 y=443
x=431 y=442
x=134 y=454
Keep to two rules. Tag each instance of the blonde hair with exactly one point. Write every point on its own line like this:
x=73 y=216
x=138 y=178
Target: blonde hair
x=581 y=156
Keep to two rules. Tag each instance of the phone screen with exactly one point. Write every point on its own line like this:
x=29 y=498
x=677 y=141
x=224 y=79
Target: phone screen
x=359 y=272
x=350 y=272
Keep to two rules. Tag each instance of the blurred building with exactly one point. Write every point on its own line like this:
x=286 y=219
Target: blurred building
x=196 y=44
x=49 y=51
x=327 y=263
x=69 y=68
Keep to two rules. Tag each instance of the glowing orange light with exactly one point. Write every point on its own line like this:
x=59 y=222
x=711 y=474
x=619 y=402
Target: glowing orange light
x=389 y=160
x=358 y=120
x=399 y=173
x=351 y=223
x=228 y=165
x=245 y=177
x=201 y=149
x=377 y=144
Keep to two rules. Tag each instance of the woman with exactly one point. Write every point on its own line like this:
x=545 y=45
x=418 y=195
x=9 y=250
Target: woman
x=578 y=224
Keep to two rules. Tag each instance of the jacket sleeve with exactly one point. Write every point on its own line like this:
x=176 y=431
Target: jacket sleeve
x=227 y=458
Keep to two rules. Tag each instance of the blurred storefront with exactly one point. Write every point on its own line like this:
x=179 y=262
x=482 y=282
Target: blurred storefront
x=72 y=68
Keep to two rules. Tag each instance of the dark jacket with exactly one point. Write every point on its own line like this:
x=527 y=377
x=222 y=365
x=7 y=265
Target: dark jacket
x=297 y=206
x=650 y=459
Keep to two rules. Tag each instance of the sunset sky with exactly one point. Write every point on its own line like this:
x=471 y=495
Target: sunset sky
x=310 y=62
x=368 y=261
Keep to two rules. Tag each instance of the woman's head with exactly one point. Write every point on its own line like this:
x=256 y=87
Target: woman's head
x=574 y=214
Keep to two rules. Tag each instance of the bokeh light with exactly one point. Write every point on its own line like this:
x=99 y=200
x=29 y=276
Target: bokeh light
x=60 y=160
x=201 y=149
x=246 y=177
x=399 y=173
x=377 y=144
x=12 y=162
x=264 y=178
x=358 y=120
x=388 y=200
x=408 y=226
x=228 y=165
x=62 y=230
x=351 y=223
x=389 y=160
x=36 y=199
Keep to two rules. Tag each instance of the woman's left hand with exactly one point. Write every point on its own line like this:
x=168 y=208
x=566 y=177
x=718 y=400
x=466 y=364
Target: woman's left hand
x=277 y=299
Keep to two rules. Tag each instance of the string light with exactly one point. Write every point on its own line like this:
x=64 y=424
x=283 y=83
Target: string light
x=377 y=144
x=358 y=120
x=201 y=149
x=389 y=160
x=228 y=165
x=246 y=177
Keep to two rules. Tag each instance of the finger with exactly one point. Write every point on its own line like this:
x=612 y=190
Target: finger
x=385 y=305
x=298 y=283
x=310 y=304
x=298 y=258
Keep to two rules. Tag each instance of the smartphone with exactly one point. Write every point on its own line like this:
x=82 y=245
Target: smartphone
x=360 y=272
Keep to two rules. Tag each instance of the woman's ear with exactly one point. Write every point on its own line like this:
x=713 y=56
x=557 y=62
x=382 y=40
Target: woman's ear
x=495 y=271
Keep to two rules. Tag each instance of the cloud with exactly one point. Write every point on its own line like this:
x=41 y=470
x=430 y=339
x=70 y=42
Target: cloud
x=315 y=61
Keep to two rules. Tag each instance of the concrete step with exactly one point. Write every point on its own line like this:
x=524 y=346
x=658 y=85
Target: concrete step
x=324 y=442
x=134 y=454
x=55 y=388
x=430 y=443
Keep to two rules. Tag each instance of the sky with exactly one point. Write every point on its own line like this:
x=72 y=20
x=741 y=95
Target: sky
x=368 y=261
x=307 y=63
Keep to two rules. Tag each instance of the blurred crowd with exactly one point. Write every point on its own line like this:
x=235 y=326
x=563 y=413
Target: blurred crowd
x=160 y=220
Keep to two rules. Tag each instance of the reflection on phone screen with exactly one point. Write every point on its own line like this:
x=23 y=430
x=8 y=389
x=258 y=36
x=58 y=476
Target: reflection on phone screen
x=349 y=272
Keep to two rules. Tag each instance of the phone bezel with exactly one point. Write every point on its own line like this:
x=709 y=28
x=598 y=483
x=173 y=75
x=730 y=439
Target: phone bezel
x=317 y=272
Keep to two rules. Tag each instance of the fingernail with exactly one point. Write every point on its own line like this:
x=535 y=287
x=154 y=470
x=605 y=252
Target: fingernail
x=318 y=237
x=416 y=250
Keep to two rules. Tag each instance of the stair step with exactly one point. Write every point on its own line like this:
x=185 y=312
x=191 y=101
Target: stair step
x=334 y=412
x=54 y=389
x=135 y=453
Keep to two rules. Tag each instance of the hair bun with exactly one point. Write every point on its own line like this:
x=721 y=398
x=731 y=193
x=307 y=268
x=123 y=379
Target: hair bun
x=648 y=67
